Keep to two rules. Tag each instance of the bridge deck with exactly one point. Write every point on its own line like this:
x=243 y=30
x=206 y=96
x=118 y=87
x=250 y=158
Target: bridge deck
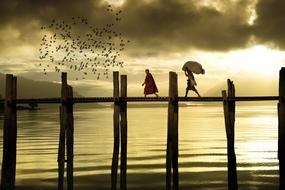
x=144 y=99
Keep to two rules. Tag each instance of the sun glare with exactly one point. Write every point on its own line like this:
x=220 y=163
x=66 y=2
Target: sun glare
x=259 y=59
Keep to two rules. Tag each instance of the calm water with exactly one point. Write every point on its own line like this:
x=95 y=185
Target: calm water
x=202 y=147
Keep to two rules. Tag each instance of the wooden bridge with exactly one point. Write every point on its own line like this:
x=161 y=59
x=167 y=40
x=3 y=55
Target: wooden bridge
x=120 y=125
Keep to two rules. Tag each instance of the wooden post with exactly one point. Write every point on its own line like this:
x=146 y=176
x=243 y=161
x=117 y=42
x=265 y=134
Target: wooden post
x=69 y=137
x=281 y=129
x=9 y=135
x=66 y=134
x=229 y=115
x=172 y=134
x=124 y=136
x=61 y=152
x=62 y=135
x=116 y=130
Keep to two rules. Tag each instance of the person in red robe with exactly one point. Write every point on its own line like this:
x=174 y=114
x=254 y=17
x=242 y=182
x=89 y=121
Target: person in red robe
x=150 y=86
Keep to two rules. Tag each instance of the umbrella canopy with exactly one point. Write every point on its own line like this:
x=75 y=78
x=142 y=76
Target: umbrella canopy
x=193 y=66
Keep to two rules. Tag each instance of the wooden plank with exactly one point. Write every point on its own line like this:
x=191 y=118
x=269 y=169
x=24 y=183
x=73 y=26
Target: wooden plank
x=124 y=136
x=116 y=131
x=146 y=99
x=172 y=134
x=281 y=129
x=69 y=137
x=229 y=116
x=9 y=135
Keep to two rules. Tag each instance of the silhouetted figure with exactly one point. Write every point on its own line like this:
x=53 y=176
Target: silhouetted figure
x=189 y=68
x=191 y=83
x=150 y=86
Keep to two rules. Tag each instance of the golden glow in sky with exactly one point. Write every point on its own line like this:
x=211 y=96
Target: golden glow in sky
x=229 y=38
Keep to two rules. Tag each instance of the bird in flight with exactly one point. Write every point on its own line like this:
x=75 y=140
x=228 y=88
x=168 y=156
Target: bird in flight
x=77 y=45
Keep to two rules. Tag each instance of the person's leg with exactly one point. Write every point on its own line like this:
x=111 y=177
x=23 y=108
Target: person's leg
x=195 y=90
x=188 y=87
x=186 y=92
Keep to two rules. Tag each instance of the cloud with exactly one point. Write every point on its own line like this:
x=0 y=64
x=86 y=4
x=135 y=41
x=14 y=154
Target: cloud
x=21 y=20
x=155 y=27
x=269 y=25
x=179 y=25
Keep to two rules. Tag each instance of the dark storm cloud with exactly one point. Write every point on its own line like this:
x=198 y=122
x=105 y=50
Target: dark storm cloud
x=172 y=24
x=25 y=17
x=269 y=26
x=154 y=26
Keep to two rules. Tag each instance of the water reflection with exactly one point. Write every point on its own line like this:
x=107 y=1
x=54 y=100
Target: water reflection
x=202 y=147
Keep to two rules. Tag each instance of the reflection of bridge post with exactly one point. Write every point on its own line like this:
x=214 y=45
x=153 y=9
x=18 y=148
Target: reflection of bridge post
x=172 y=134
x=116 y=132
x=229 y=116
x=281 y=129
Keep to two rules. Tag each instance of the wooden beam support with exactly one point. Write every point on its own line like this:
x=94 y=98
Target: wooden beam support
x=9 y=135
x=281 y=129
x=116 y=131
x=66 y=136
x=69 y=137
x=229 y=116
x=124 y=133
x=172 y=135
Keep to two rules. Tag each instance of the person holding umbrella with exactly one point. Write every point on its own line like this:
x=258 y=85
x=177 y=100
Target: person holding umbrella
x=189 y=68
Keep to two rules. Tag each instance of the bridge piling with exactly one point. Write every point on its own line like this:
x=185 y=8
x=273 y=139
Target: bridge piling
x=9 y=135
x=281 y=129
x=116 y=131
x=172 y=135
x=124 y=133
x=229 y=116
x=66 y=136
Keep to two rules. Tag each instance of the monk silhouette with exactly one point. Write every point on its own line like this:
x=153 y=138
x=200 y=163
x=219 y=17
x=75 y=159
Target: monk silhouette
x=149 y=84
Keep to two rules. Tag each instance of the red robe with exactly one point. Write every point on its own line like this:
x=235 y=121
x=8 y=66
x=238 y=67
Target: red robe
x=150 y=86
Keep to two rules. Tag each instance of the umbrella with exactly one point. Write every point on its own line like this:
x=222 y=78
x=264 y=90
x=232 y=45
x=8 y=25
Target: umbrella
x=193 y=66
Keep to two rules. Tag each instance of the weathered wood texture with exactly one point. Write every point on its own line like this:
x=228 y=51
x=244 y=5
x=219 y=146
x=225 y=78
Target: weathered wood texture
x=229 y=116
x=172 y=135
x=116 y=131
x=9 y=135
x=124 y=134
x=281 y=129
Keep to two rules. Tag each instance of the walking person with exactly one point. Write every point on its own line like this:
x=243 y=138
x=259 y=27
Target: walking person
x=189 y=68
x=149 y=84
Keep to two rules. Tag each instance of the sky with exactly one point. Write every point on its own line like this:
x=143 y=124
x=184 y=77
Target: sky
x=238 y=39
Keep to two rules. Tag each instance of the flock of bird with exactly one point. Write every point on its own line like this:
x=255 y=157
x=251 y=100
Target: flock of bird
x=77 y=46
